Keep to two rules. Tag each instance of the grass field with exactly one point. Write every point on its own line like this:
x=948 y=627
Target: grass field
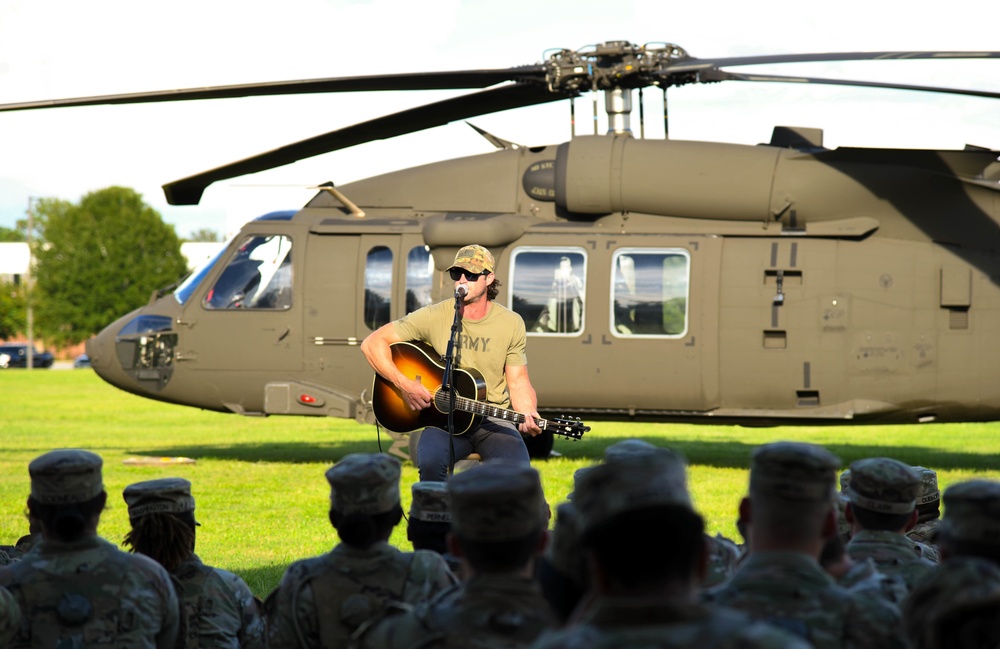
x=262 y=497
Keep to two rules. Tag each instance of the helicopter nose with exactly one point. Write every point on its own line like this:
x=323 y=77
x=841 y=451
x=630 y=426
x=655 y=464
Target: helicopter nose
x=101 y=350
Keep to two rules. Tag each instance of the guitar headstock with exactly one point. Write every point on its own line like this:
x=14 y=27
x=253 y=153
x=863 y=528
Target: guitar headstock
x=570 y=427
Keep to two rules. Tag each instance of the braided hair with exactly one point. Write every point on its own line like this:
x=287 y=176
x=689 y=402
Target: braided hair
x=168 y=539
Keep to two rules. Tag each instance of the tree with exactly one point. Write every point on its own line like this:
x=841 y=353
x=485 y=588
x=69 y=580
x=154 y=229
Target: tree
x=12 y=310
x=205 y=235
x=11 y=235
x=98 y=260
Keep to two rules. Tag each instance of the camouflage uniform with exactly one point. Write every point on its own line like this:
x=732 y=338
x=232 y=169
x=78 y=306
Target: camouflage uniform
x=653 y=479
x=922 y=534
x=10 y=616
x=790 y=589
x=321 y=601
x=220 y=611
x=956 y=607
x=87 y=592
x=886 y=486
x=494 y=502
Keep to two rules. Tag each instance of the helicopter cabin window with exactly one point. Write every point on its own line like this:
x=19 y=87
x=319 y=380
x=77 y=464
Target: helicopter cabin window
x=419 y=278
x=378 y=287
x=548 y=289
x=258 y=276
x=649 y=292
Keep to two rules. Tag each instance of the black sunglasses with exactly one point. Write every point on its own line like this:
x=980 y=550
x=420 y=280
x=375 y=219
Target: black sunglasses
x=456 y=274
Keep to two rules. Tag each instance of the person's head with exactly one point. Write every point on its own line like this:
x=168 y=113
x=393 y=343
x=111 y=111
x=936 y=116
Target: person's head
x=430 y=516
x=929 y=500
x=883 y=495
x=498 y=517
x=364 y=498
x=474 y=268
x=161 y=513
x=971 y=523
x=790 y=503
x=955 y=607
x=67 y=494
x=637 y=524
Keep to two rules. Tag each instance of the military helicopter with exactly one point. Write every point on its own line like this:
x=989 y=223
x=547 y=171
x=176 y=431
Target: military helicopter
x=659 y=280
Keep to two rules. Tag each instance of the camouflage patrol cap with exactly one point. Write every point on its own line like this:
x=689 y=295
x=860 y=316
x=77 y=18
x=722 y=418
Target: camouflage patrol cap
x=496 y=501
x=793 y=471
x=430 y=502
x=929 y=492
x=563 y=550
x=845 y=481
x=959 y=583
x=972 y=512
x=162 y=496
x=475 y=259
x=631 y=482
x=884 y=486
x=66 y=476
x=628 y=447
x=364 y=483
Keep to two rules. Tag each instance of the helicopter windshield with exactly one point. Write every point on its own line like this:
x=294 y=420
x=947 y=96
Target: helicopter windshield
x=193 y=281
x=258 y=276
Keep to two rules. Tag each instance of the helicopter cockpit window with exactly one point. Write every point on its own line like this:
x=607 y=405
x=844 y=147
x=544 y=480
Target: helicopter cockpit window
x=378 y=287
x=548 y=289
x=258 y=276
x=649 y=292
x=419 y=278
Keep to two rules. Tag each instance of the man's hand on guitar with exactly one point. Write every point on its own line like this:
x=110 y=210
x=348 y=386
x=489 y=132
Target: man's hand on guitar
x=415 y=395
x=529 y=427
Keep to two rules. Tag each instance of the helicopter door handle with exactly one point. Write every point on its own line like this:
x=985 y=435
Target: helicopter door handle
x=779 y=297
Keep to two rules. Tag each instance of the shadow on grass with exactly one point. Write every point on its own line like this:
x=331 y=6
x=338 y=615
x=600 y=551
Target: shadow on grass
x=723 y=454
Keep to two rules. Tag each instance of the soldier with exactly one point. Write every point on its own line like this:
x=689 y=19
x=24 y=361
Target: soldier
x=10 y=616
x=499 y=522
x=429 y=521
x=883 y=498
x=561 y=569
x=321 y=601
x=956 y=607
x=220 y=609
x=646 y=548
x=789 y=514
x=75 y=589
x=928 y=515
x=969 y=541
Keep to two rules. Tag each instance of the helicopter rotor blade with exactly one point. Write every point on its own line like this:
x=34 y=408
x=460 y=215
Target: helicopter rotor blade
x=723 y=75
x=693 y=64
x=449 y=80
x=188 y=191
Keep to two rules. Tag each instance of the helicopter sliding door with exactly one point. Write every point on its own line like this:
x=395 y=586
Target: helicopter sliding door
x=628 y=324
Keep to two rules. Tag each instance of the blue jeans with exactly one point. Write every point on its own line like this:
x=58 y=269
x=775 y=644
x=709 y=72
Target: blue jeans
x=494 y=439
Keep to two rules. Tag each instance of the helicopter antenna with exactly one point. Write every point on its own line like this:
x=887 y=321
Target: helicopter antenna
x=346 y=202
x=666 y=120
x=642 y=117
x=572 y=117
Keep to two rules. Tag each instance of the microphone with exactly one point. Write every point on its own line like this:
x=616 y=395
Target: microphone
x=461 y=291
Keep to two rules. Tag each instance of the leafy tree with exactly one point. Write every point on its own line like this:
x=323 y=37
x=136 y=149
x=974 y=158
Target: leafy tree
x=11 y=234
x=98 y=260
x=12 y=310
x=205 y=235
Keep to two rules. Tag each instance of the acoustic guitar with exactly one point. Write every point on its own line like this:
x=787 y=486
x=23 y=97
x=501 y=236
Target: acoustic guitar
x=416 y=361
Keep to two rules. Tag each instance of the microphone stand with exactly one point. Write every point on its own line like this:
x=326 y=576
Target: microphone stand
x=449 y=362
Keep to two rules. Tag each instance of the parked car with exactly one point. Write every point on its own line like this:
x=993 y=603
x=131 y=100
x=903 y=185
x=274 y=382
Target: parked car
x=81 y=361
x=16 y=355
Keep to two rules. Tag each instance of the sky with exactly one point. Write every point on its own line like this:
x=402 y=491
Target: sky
x=65 y=48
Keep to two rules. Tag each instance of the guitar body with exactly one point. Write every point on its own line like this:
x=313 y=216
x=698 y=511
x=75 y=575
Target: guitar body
x=416 y=360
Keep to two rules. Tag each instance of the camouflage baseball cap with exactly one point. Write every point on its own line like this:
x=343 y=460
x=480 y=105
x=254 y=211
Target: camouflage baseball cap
x=162 y=496
x=364 y=483
x=972 y=512
x=929 y=492
x=66 y=476
x=630 y=482
x=628 y=447
x=793 y=471
x=496 y=501
x=430 y=502
x=474 y=259
x=884 y=486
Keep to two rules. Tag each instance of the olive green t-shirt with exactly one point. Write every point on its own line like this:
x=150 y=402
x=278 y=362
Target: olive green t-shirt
x=487 y=345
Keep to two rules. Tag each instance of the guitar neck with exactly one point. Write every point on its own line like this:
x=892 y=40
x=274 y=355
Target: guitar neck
x=482 y=408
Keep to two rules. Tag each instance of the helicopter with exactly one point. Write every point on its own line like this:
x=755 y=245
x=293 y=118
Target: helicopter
x=659 y=280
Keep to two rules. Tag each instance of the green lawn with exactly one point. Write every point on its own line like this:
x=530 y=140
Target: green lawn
x=262 y=498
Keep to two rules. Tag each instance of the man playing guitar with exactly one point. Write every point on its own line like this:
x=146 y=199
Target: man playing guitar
x=492 y=341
